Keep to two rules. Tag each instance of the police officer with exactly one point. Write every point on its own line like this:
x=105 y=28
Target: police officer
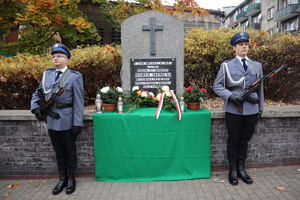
x=241 y=117
x=69 y=106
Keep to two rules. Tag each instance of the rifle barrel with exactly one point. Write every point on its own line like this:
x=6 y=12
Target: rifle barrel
x=280 y=68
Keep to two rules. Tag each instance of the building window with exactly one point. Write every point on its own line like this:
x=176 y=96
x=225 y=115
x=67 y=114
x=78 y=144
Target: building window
x=290 y=25
x=242 y=9
x=227 y=22
x=245 y=25
x=256 y=19
x=271 y=13
x=289 y=2
x=270 y=32
x=234 y=16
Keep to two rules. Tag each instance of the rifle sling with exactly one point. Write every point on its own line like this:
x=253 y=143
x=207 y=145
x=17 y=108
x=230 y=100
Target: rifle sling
x=257 y=75
x=63 y=78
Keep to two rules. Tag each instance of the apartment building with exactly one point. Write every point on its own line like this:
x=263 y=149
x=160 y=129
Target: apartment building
x=270 y=15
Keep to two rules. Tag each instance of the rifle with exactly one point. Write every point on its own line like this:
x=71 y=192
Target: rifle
x=45 y=108
x=256 y=84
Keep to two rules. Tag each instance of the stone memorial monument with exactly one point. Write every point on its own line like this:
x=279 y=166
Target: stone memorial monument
x=152 y=52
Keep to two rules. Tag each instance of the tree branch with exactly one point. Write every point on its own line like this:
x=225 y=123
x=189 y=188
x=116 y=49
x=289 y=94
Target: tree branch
x=34 y=45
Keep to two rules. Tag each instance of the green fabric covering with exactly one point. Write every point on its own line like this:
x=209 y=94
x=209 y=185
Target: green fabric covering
x=138 y=147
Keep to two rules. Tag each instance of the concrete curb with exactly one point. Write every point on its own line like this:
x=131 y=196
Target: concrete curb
x=217 y=113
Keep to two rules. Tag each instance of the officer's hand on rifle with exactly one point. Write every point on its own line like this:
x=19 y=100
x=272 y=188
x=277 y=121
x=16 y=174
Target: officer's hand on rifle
x=76 y=130
x=235 y=99
x=38 y=114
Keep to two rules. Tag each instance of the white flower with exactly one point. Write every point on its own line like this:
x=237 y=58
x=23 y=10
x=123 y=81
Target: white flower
x=168 y=93
x=119 y=89
x=144 y=94
x=105 y=89
x=165 y=88
x=134 y=88
x=151 y=94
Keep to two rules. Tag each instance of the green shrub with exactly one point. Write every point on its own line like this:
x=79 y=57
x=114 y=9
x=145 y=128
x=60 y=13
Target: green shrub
x=204 y=52
x=100 y=66
x=20 y=75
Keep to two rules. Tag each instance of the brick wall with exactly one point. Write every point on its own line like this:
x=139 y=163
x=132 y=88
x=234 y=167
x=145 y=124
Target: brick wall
x=26 y=150
x=276 y=141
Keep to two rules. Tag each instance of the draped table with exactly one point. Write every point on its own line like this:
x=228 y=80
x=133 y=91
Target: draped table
x=138 y=147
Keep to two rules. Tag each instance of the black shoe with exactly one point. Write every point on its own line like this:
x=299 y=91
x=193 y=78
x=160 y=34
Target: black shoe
x=71 y=184
x=233 y=177
x=63 y=180
x=242 y=173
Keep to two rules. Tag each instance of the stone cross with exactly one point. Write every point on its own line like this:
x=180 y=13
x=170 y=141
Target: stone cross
x=164 y=63
x=152 y=28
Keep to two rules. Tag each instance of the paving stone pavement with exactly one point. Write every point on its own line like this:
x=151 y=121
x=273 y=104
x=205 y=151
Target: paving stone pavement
x=266 y=181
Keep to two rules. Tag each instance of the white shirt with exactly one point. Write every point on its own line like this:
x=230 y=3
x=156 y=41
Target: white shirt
x=240 y=59
x=62 y=70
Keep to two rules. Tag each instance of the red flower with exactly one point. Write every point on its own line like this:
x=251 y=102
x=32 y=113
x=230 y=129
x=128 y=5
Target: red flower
x=189 y=89
x=203 y=90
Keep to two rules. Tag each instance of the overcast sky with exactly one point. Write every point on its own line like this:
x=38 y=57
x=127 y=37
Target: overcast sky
x=215 y=4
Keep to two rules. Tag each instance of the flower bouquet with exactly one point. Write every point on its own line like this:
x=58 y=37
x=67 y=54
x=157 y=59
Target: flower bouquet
x=167 y=100
x=195 y=95
x=138 y=97
x=110 y=95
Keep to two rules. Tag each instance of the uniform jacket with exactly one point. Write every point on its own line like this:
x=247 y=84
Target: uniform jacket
x=237 y=72
x=73 y=94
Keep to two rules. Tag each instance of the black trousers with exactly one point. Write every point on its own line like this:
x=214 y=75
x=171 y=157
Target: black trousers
x=64 y=146
x=240 y=130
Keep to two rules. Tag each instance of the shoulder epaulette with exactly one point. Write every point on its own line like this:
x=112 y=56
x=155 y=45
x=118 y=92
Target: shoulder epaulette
x=255 y=61
x=74 y=71
x=227 y=60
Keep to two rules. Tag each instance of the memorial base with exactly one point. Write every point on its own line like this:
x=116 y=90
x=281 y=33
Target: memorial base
x=138 y=147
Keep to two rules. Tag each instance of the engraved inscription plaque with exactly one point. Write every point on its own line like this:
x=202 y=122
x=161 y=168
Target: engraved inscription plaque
x=150 y=73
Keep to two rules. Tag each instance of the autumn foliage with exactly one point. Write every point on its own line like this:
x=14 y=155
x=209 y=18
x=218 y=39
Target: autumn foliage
x=39 y=22
x=118 y=12
x=204 y=52
x=20 y=75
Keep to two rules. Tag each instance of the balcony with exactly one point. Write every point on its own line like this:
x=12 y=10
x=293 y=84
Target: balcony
x=241 y=17
x=286 y=12
x=255 y=26
x=253 y=9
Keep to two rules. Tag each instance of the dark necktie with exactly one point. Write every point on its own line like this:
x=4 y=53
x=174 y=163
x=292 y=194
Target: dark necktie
x=57 y=75
x=244 y=64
